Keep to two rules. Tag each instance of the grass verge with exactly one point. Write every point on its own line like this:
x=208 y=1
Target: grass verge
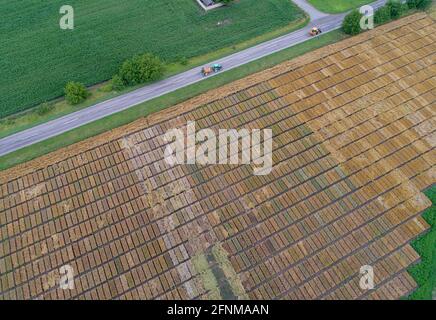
x=165 y=101
x=424 y=273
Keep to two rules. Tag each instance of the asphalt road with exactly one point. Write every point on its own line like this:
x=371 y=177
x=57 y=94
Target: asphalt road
x=74 y=120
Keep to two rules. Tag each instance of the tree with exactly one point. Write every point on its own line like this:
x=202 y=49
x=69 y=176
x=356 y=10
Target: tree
x=395 y=8
x=351 y=24
x=141 y=69
x=382 y=15
x=75 y=92
x=412 y=4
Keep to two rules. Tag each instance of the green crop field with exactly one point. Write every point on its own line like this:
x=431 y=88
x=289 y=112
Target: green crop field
x=37 y=58
x=337 y=6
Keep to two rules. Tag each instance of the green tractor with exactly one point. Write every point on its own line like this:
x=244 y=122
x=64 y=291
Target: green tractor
x=205 y=71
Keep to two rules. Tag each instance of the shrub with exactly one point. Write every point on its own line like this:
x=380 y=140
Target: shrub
x=423 y=4
x=183 y=61
x=351 y=24
x=412 y=4
x=395 y=8
x=117 y=83
x=418 y=4
x=382 y=15
x=44 y=108
x=141 y=69
x=75 y=92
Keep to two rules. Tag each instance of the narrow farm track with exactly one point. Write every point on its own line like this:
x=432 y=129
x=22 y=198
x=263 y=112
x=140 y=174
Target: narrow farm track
x=106 y=108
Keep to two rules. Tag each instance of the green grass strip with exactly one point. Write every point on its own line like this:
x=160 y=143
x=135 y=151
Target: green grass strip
x=424 y=273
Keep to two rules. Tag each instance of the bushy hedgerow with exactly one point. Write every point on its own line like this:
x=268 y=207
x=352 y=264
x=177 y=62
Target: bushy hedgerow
x=140 y=69
x=117 y=83
x=419 y=4
x=394 y=9
x=411 y=3
x=382 y=15
x=424 y=4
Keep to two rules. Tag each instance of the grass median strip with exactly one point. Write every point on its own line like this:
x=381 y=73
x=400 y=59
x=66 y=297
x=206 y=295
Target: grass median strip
x=146 y=108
